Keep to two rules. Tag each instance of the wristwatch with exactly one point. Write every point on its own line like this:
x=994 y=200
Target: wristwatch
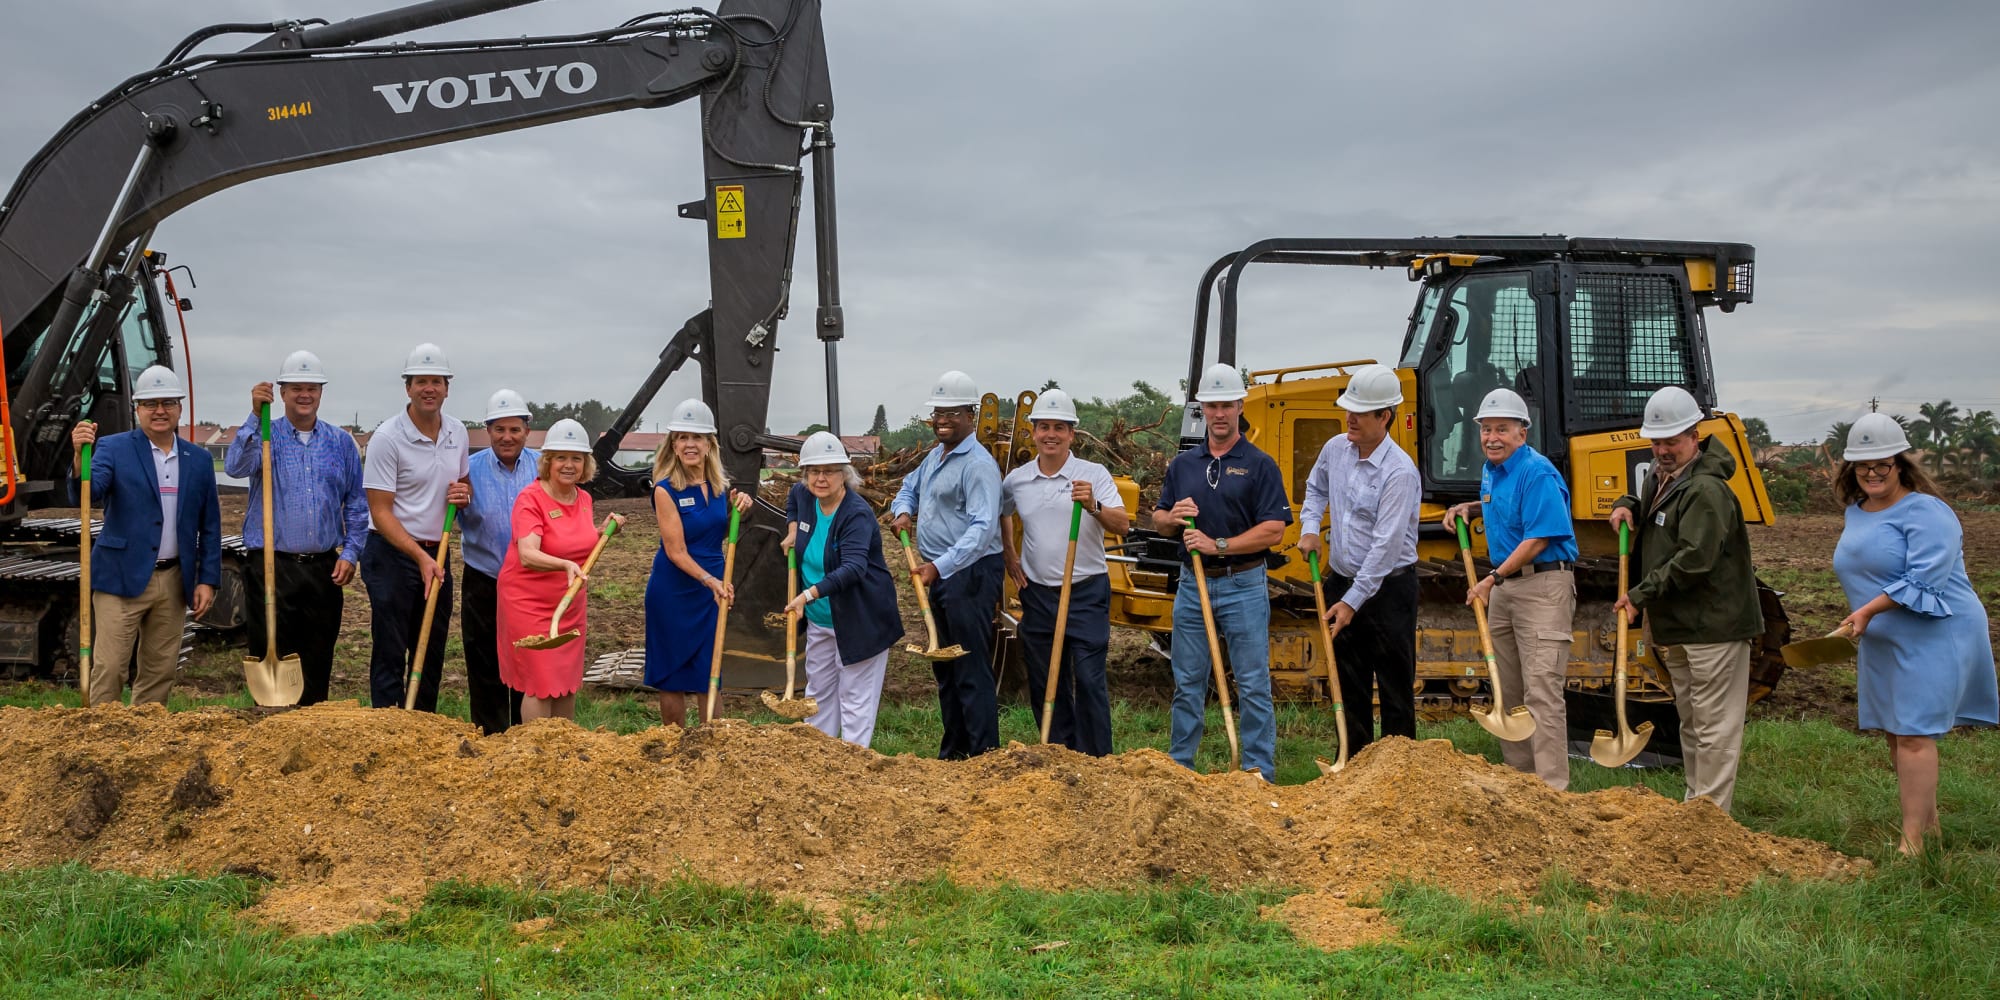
x=1222 y=546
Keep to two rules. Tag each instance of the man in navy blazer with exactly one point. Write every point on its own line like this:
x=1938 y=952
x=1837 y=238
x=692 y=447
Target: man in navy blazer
x=145 y=578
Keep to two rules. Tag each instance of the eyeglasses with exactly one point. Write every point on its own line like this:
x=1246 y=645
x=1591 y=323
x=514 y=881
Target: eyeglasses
x=1875 y=470
x=156 y=404
x=952 y=414
x=1214 y=473
x=825 y=471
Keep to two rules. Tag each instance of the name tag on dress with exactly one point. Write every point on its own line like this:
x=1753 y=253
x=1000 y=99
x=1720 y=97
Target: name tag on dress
x=554 y=513
x=687 y=501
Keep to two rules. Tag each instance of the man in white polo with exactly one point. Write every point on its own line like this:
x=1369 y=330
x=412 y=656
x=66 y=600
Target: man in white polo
x=1040 y=499
x=416 y=465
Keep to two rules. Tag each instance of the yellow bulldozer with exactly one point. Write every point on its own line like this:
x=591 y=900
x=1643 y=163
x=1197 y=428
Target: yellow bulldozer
x=1584 y=329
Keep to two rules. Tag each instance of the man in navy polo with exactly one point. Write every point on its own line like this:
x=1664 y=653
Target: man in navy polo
x=1236 y=497
x=1531 y=592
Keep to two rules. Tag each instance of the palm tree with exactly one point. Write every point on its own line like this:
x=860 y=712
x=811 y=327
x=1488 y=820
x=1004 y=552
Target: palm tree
x=1978 y=439
x=1941 y=422
x=1836 y=439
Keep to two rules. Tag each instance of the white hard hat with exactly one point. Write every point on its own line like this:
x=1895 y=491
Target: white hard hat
x=427 y=359
x=566 y=435
x=1504 y=403
x=1875 y=435
x=822 y=448
x=1670 y=411
x=692 y=416
x=953 y=388
x=158 y=382
x=302 y=366
x=1054 y=404
x=1220 y=384
x=506 y=403
x=1370 y=388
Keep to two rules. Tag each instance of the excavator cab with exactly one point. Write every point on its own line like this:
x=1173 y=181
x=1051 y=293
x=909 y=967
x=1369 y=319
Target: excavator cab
x=1585 y=330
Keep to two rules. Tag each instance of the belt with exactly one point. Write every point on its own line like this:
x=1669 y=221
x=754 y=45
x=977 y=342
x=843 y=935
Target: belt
x=303 y=557
x=430 y=546
x=1540 y=567
x=166 y=564
x=1231 y=569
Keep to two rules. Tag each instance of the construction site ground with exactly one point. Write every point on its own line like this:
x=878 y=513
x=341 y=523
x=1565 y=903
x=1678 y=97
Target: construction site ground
x=353 y=815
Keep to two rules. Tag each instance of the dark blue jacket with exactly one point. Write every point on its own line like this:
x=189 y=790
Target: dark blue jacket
x=857 y=579
x=125 y=490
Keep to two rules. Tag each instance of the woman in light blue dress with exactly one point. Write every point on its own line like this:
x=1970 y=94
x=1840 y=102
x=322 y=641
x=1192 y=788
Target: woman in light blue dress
x=1926 y=660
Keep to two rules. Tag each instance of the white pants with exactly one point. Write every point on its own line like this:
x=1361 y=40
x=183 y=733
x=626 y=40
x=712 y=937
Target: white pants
x=848 y=693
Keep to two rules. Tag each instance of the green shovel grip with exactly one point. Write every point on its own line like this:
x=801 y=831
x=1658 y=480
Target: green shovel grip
x=1464 y=534
x=83 y=474
x=450 y=516
x=1075 y=520
x=792 y=558
x=906 y=537
x=1312 y=560
x=610 y=528
x=1624 y=538
x=264 y=420
x=735 y=517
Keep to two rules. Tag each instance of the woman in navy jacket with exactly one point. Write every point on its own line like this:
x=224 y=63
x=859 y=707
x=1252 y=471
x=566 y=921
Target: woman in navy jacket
x=845 y=580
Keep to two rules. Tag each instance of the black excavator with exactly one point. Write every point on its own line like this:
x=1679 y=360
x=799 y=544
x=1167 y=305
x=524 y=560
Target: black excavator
x=82 y=302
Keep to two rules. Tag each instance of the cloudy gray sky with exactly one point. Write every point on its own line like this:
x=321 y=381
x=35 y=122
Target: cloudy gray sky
x=1030 y=190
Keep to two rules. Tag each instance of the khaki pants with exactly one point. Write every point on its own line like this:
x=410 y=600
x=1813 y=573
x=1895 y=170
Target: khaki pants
x=1530 y=618
x=1711 y=683
x=152 y=623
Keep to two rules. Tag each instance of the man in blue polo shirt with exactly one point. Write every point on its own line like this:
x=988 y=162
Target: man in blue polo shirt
x=1237 y=499
x=1531 y=592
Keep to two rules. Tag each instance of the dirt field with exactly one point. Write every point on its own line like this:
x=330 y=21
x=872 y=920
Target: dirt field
x=1795 y=555
x=354 y=813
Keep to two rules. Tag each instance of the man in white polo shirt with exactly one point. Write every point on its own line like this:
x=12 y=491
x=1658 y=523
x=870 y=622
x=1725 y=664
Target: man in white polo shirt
x=416 y=465
x=1041 y=499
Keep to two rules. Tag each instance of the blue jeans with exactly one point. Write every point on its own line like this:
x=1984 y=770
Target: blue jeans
x=1242 y=607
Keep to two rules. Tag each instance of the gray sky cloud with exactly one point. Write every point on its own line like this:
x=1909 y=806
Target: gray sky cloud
x=1031 y=190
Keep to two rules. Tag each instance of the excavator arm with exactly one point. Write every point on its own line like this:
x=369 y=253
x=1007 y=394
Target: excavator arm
x=309 y=96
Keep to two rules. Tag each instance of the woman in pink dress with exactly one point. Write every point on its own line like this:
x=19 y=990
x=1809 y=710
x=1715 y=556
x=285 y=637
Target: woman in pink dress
x=553 y=535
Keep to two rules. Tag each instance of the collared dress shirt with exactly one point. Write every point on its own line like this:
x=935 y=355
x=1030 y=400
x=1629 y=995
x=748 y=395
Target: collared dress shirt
x=1371 y=509
x=317 y=502
x=955 y=497
x=489 y=519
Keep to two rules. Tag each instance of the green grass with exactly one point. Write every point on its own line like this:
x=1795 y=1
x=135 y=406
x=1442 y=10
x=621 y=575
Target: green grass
x=1923 y=927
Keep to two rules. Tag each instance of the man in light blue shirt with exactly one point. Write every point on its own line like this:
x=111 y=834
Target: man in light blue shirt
x=498 y=475
x=1531 y=592
x=953 y=499
x=319 y=515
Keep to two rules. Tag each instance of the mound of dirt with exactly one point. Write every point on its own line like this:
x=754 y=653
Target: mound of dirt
x=353 y=813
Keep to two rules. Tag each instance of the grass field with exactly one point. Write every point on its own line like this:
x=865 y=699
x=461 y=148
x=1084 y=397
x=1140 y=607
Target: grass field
x=1922 y=927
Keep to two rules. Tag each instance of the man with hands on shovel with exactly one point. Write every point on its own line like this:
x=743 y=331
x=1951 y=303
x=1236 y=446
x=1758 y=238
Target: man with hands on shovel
x=1531 y=591
x=953 y=499
x=1370 y=491
x=160 y=554
x=1236 y=498
x=319 y=517
x=1043 y=497
x=498 y=474
x=1696 y=587
x=416 y=466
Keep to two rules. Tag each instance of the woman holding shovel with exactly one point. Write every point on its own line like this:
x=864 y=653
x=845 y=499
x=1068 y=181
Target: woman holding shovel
x=1925 y=665
x=691 y=502
x=839 y=546
x=541 y=602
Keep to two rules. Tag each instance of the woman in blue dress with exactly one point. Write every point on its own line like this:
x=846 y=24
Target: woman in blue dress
x=1926 y=660
x=691 y=501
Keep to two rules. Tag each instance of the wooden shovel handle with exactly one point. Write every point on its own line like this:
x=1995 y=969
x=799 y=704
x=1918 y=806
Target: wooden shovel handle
x=1062 y=620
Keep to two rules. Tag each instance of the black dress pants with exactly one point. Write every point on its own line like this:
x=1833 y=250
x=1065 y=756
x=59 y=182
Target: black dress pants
x=396 y=610
x=309 y=608
x=1082 y=717
x=495 y=706
x=1378 y=651
x=963 y=605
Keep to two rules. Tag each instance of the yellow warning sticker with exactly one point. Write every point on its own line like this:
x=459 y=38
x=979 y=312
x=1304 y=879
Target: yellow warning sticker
x=729 y=212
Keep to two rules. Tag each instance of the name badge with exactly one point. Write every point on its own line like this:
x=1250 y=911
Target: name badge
x=555 y=512
x=1488 y=498
x=804 y=528
x=1660 y=519
x=687 y=501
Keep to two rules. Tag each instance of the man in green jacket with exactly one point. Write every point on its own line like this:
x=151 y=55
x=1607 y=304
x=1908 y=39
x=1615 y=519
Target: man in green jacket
x=1696 y=587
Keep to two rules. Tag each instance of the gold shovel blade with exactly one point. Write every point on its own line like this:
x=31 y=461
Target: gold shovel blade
x=947 y=653
x=1327 y=767
x=1818 y=652
x=274 y=683
x=1515 y=726
x=547 y=641
x=1609 y=750
x=796 y=708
